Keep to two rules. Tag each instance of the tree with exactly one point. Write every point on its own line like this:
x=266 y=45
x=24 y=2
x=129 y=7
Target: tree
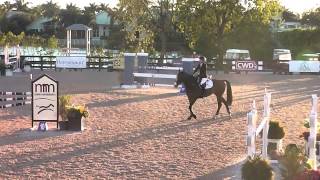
x=289 y=16
x=52 y=42
x=70 y=15
x=50 y=9
x=89 y=13
x=9 y=39
x=213 y=18
x=134 y=16
x=21 y=5
x=312 y=18
x=217 y=19
x=162 y=23
x=16 y=23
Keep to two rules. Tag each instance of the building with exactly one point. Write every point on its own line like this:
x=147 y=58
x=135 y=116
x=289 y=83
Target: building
x=100 y=30
x=40 y=25
x=288 y=26
x=102 y=25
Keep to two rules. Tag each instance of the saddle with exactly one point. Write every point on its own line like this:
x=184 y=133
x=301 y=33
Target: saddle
x=207 y=83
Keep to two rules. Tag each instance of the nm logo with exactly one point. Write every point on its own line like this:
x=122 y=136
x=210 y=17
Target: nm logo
x=44 y=88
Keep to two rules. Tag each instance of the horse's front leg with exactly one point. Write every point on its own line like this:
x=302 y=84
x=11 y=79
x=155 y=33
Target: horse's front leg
x=192 y=115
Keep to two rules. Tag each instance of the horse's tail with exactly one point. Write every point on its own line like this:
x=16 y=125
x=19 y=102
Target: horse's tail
x=229 y=93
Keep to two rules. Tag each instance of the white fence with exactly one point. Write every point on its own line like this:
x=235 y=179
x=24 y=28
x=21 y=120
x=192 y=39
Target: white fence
x=254 y=132
x=313 y=131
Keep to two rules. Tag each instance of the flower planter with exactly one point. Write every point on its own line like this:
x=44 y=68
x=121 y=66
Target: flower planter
x=317 y=149
x=63 y=125
x=9 y=72
x=27 y=68
x=306 y=136
x=277 y=143
x=76 y=122
x=2 y=70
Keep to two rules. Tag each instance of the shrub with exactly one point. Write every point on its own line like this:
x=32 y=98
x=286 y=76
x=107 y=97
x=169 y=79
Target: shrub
x=306 y=135
x=307 y=125
x=64 y=102
x=309 y=175
x=2 y=68
x=256 y=168
x=275 y=131
x=293 y=162
x=77 y=111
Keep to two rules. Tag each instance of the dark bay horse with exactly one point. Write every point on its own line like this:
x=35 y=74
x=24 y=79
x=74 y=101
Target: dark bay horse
x=194 y=92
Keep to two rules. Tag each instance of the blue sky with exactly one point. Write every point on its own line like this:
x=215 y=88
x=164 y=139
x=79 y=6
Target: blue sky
x=297 y=6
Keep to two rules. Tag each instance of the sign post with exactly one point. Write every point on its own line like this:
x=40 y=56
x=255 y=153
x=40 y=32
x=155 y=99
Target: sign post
x=45 y=103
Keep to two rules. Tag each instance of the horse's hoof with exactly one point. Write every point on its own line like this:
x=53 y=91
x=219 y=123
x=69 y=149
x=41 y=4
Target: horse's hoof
x=215 y=117
x=189 y=118
x=195 y=116
x=230 y=116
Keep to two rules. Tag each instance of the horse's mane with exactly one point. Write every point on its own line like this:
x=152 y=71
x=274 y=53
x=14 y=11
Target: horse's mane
x=186 y=77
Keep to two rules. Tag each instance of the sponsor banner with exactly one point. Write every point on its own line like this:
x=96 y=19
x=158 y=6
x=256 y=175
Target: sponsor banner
x=284 y=57
x=304 y=66
x=118 y=62
x=71 y=62
x=246 y=66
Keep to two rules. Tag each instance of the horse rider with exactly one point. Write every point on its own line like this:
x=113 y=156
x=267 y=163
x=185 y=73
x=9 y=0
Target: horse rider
x=202 y=68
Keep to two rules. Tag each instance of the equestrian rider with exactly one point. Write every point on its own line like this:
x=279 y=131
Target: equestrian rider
x=202 y=68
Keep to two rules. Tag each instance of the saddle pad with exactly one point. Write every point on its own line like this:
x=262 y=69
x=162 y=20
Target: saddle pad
x=209 y=83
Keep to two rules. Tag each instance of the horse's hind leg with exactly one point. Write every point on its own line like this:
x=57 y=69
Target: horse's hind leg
x=227 y=107
x=192 y=115
x=219 y=106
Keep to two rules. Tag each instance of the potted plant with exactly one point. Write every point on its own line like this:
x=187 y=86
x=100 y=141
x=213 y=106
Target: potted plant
x=275 y=136
x=256 y=168
x=27 y=66
x=306 y=134
x=309 y=175
x=293 y=162
x=64 y=103
x=76 y=115
x=9 y=70
x=2 y=69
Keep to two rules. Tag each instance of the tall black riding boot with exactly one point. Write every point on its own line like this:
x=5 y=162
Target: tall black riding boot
x=203 y=91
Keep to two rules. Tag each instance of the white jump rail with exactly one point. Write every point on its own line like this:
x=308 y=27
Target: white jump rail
x=313 y=131
x=164 y=68
x=153 y=75
x=253 y=132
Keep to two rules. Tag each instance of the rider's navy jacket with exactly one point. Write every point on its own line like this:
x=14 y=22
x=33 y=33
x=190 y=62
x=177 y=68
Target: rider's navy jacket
x=203 y=70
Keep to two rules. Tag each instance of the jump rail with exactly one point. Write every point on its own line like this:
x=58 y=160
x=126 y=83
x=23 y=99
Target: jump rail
x=312 y=140
x=253 y=132
x=13 y=99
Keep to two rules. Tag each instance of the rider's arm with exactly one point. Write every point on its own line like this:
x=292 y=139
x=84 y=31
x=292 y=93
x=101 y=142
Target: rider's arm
x=197 y=68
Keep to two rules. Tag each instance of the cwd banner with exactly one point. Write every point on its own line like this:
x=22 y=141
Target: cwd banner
x=304 y=66
x=71 y=62
x=246 y=66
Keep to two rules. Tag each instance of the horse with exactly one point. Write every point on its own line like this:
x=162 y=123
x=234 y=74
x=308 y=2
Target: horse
x=194 y=92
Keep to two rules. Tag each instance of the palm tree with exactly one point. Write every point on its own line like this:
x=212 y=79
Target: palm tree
x=21 y=5
x=35 y=12
x=104 y=7
x=89 y=13
x=6 y=6
x=70 y=15
x=50 y=9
